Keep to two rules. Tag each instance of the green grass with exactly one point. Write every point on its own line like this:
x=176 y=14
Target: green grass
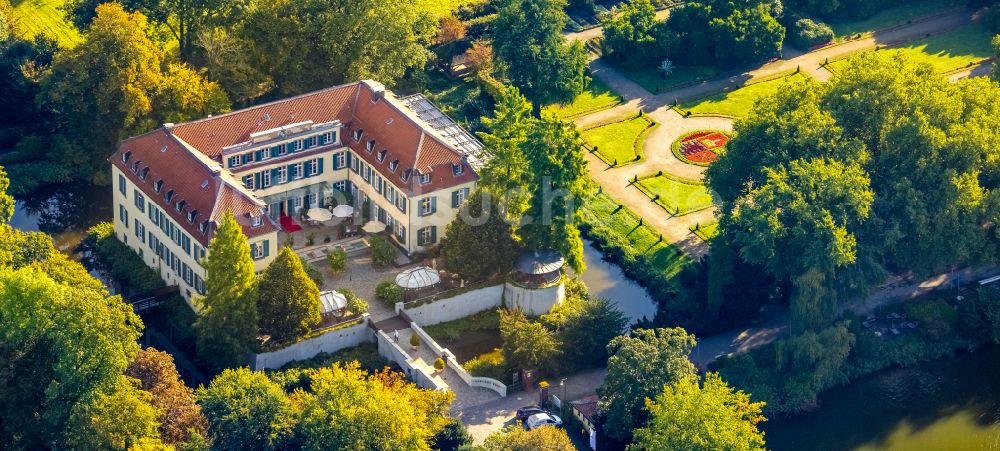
x=452 y=331
x=597 y=97
x=614 y=227
x=620 y=141
x=45 y=17
x=947 y=51
x=890 y=16
x=706 y=231
x=651 y=79
x=678 y=196
x=739 y=102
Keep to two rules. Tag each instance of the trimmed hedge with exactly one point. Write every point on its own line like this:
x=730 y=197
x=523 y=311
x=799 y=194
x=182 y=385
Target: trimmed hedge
x=807 y=33
x=120 y=261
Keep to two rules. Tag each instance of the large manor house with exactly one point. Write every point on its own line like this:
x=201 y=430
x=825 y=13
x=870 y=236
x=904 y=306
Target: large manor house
x=411 y=163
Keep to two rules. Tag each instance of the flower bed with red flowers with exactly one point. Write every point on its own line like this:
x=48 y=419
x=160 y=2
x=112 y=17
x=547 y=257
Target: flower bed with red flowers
x=701 y=147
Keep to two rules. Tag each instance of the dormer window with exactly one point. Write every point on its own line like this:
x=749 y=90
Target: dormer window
x=158 y=185
x=393 y=165
x=381 y=155
x=169 y=195
x=203 y=227
x=457 y=169
x=406 y=174
x=358 y=133
x=371 y=145
x=135 y=166
x=191 y=215
x=256 y=221
x=126 y=156
x=425 y=178
x=144 y=173
x=180 y=205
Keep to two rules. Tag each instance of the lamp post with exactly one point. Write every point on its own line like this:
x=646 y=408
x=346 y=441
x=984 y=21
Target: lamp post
x=562 y=404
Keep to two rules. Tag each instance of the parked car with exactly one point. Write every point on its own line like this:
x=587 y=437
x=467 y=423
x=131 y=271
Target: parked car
x=527 y=411
x=542 y=419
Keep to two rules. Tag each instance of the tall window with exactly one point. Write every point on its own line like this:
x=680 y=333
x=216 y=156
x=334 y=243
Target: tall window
x=140 y=201
x=426 y=236
x=312 y=168
x=298 y=171
x=121 y=183
x=340 y=160
x=428 y=206
x=265 y=179
x=140 y=231
x=123 y=215
x=282 y=175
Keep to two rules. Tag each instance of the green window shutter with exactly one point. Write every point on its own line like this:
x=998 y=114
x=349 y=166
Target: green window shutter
x=454 y=199
x=267 y=250
x=319 y=165
x=292 y=172
x=434 y=205
x=256 y=180
x=274 y=176
x=253 y=249
x=258 y=155
x=434 y=234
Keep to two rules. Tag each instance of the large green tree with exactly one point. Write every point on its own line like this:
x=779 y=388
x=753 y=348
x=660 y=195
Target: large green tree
x=336 y=41
x=539 y=439
x=800 y=225
x=349 y=409
x=246 y=410
x=559 y=182
x=110 y=85
x=527 y=345
x=65 y=348
x=585 y=326
x=527 y=37
x=629 y=34
x=507 y=172
x=288 y=301
x=479 y=242
x=723 y=31
x=227 y=326
x=701 y=417
x=639 y=367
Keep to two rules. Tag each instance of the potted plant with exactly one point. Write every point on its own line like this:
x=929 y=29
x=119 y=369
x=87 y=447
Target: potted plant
x=438 y=364
x=414 y=342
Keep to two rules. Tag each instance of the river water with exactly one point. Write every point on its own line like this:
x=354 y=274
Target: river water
x=947 y=404
x=606 y=280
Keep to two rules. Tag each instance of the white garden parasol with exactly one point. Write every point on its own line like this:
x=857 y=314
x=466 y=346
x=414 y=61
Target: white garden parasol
x=319 y=214
x=373 y=227
x=343 y=211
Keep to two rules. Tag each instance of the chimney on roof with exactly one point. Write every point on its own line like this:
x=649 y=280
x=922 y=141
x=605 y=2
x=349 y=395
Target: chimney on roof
x=378 y=89
x=168 y=124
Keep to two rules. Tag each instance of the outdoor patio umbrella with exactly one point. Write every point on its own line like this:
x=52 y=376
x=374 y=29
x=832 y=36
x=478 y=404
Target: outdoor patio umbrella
x=373 y=227
x=343 y=211
x=419 y=277
x=319 y=214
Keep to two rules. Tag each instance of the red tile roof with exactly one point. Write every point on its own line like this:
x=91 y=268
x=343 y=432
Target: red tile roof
x=188 y=157
x=160 y=156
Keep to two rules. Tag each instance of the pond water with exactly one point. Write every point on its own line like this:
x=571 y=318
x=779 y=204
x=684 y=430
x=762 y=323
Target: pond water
x=947 y=404
x=606 y=280
x=65 y=213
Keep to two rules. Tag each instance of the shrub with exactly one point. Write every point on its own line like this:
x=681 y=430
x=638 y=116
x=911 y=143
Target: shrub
x=490 y=365
x=383 y=252
x=337 y=259
x=414 y=340
x=121 y=262
x=807 y=33
x=439 y=364
x=389 y=292
x=357 y=305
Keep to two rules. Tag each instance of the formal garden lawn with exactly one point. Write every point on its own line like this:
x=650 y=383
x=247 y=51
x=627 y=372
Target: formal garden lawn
x=469 y=337
x=36 y=17
x=677 y=195
x=891 y=16
x=610 y=225
x=738 y=102
x=947 y=51
x=654 y=82
x=620 y=141
x=706 y=231
x=598 y=96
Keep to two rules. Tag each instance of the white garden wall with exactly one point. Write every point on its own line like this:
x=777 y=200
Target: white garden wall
x=460 y=306
x=329 y=342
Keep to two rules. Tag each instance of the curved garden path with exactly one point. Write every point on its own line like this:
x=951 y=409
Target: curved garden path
x=657 y=154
